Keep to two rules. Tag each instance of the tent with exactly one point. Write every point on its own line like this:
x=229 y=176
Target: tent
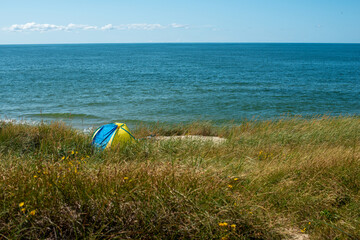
x=111 y=135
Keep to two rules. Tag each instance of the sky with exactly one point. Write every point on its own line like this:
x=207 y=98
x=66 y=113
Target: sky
x=145 y=21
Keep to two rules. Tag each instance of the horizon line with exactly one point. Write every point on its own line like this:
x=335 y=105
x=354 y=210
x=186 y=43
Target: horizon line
x=84 y=43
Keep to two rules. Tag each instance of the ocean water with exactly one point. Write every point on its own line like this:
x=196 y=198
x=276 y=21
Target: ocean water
x=90 y=84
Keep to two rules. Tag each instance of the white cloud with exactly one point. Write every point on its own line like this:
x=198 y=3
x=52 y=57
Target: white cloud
x=107 y=27
x=175 y=25
x=72 y=26
x=32 y=27
x=36 y=27
x=144 y=26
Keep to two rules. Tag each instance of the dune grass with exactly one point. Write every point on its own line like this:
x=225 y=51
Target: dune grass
x=288 y=178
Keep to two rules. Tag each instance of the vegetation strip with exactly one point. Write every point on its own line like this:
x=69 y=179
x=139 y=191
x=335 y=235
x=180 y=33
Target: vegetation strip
x=287 y=178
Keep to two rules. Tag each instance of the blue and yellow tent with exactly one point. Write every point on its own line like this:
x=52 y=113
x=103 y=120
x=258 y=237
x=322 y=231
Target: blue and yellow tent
x=112 y=134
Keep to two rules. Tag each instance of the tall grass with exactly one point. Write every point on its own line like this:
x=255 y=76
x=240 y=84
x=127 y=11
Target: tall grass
x=270 y=180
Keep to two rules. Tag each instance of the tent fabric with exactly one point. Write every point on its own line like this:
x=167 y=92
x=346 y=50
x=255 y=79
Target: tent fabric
x=112 y=134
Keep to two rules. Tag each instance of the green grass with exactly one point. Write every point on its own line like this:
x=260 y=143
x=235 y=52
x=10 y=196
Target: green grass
x=269 y=180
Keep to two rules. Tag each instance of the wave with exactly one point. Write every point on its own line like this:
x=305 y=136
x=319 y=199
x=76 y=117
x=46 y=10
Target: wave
x=63 y=116
x=19 y=121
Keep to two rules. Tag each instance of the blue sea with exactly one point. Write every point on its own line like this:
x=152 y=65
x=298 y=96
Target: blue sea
x=86 y=85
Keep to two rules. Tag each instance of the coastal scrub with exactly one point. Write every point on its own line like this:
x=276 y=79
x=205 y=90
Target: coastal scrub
x=275 y=179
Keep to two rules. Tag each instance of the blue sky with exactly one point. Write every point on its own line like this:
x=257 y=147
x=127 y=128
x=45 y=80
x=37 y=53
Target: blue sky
x=116 y=21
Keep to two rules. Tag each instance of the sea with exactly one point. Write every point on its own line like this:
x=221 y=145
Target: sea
x=87 y=85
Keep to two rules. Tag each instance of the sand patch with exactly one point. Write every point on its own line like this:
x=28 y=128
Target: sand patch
x=216 y=140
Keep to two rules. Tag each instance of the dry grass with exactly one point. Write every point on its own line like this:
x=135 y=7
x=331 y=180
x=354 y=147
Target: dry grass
x=290 y=178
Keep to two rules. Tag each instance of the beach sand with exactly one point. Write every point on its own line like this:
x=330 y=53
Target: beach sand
x=216 y=140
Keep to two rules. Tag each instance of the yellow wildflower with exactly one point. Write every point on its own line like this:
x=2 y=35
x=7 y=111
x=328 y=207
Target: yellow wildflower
x=63 y=158
x=23 y=210
x=126 y=178
x=76 y=152
x=33 y=212
x=235 y=179
x=230 y=186
x=21 y=204
x=35 y=176
x=233 y=226
x=223 y=224
x=72 y=152
x=75 y=170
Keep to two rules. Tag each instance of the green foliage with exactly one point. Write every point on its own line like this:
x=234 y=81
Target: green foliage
x=268 y=180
